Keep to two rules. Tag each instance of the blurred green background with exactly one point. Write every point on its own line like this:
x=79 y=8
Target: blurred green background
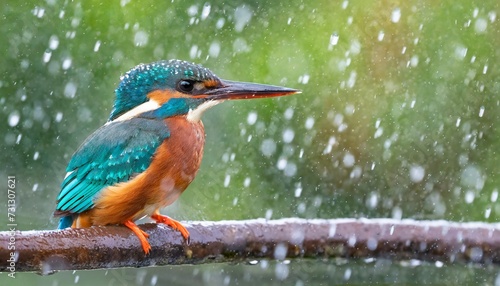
x=396 y=119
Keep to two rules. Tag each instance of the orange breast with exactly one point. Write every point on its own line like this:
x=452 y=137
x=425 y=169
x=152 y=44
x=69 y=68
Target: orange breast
x=172 y=169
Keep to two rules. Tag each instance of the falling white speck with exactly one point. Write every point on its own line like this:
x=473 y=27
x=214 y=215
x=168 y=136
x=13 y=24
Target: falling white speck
x=485 y=69
x=227 y=180
x=290 y=169
x=281 y=271
x=280 y=251
x=344 y=4
x=334 y=39
x=288 y=135
x=298 y=191
x=396 y=15
x=469 y=197
x=492 y=16
x=288 y=113
x=309 y=123
x=487 y=213
x=14 y=118
x=205 y=11
x=380 y=36
x=18 y=139
x=417 y=173
x=347 y=274
x=141 y=38
x=372 y=201
x=70 y=90
x=378 y=132
x=35 y=187
x=77 y=278
x=97 y=45
x=304 y=79
x=220 y=23
x=53 y=42
x=481 y=111
x=494 y=196
x=269 y=214
x=282 y=162
x=352 y=79
x=214 y=49
x=192 y=10
x=397 y=213
x=193 y=52
x=66 y=64
x=246 y=182
x=414 y=61
x=481 y=25
x=252 y=118
x=472 y=177
x=242 y=16
x=460 y=52
x=412 y=104
x=36 y=155
x=457 y=124
x=268 y=147
x=46 y=56
x=348 y=160
x=39 y=12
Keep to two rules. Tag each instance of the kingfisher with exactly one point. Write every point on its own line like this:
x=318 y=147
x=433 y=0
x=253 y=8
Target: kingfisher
x=150 y=149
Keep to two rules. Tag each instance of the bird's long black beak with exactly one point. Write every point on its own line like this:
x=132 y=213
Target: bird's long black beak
x=247 y=90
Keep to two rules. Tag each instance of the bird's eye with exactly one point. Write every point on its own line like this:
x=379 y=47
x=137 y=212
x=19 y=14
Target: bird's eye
x=185 y=86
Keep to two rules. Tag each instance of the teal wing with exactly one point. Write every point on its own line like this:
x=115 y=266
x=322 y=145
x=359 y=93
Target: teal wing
x=112 y=154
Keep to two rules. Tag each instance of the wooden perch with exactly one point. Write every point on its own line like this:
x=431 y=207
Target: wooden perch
x=233 y=241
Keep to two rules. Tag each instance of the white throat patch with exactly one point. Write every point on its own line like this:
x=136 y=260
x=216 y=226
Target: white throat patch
x=146 y=106
x=194 y=115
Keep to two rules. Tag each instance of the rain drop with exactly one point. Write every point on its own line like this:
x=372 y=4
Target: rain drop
x=205 y=11
x=14 y=117
x=417 y=173
x=242 y=16
x=396 y=15
x=53 y=42
x=97 y=46
x=309 y=123
x=268 y=147
x=252 y=118
x=288 y=135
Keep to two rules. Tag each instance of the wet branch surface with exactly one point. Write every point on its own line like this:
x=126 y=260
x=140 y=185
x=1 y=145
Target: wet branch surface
x=235 y=241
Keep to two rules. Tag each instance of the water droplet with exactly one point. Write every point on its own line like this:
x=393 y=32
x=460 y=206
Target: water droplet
x=304 y=79
x=417 y=173
x=252 y=118
x=414 y=61
x=469 y=197
x=205 y=11
x=480 y=26
x=66 y=64
x=192 y=10
x=97 y=46
x=347 y=274
x=494 y=196
x=70 y=90
x=371 y=244
x=298 y=190
x=348 y=160
x=481 y=111
x=269 y=214
x=242 y=16
x=246 y=182
x=380 y=36
x=334 y=39
x=46 y=56
x=36 y=155
x=53 y=42
x=396 y=15
x=378 y=132
x=227 y=180
x=309 y=123
x=288 y=135
x=35 y=187
x=397 y=213
x=214 y=49
x=280 y=251
x=141 y=38
x=220 y=23
x=288 y=113
x=14 y=118
x=290 y=169
x=281 y=271
x=268 y=147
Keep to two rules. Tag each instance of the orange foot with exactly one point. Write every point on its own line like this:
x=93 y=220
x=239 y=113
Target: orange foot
x=142 y=235
x=172 y=223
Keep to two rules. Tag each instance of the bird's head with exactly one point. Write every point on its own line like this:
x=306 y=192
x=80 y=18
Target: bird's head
x=174 y=87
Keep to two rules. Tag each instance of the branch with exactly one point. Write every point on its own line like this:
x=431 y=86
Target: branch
x=230 y=241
